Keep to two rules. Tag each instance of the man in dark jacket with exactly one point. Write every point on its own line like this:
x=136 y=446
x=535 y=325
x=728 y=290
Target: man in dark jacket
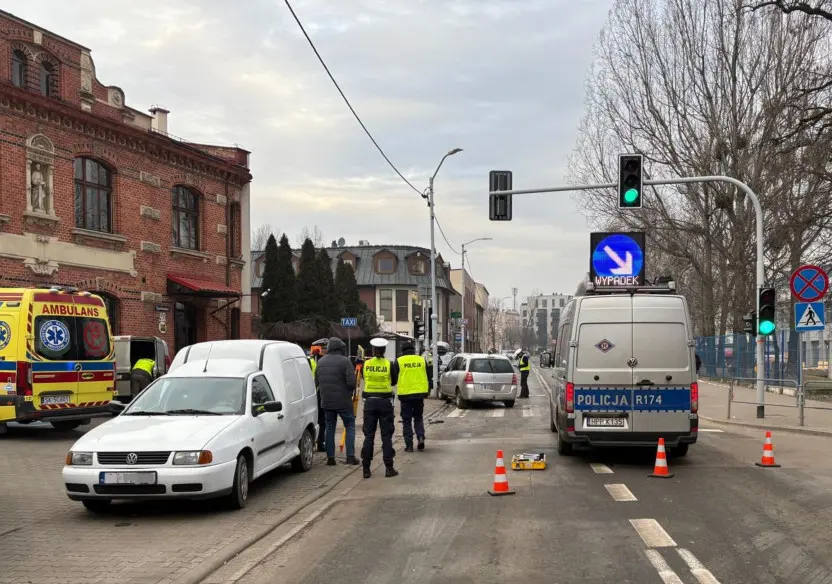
x=335 y=378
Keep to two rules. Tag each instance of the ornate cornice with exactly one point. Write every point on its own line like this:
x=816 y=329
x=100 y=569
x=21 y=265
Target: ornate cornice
x=184 y=158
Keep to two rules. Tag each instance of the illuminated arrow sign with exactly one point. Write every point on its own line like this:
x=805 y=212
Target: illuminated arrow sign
x=617 y=259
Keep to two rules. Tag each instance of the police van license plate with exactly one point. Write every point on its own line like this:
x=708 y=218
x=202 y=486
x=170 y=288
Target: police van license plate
x=605 y=422
x=48 y=400
x=127 y=478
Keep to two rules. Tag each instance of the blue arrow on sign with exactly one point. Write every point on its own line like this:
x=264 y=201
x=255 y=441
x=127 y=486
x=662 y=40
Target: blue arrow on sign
x=619 y=259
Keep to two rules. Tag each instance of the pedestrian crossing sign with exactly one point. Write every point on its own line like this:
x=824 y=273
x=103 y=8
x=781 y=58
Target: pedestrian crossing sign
x=809 y=316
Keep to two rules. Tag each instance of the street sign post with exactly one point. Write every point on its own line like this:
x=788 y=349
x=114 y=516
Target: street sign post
x=349 y=322
x=809 y=283
x=617 y=258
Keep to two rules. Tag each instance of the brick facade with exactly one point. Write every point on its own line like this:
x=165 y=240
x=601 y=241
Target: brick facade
x=51 y=236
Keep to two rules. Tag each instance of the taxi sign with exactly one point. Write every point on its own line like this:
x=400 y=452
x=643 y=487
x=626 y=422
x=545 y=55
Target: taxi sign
x=617 y=258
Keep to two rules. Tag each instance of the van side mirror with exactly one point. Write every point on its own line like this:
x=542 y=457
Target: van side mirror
x=272 y=406
x=116 y=407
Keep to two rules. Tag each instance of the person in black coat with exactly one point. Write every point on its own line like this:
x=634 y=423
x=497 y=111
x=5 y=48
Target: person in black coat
x=335 y=378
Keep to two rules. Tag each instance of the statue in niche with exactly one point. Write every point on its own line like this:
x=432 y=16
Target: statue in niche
x=39 y=194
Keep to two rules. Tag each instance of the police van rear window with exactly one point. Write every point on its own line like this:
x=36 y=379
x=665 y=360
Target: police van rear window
x=491 y=366
x=69 y=338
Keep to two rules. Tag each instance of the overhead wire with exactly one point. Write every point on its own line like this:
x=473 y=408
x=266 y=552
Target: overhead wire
x=358 y=118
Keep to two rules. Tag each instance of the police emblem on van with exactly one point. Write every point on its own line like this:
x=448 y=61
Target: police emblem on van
x=604 y=346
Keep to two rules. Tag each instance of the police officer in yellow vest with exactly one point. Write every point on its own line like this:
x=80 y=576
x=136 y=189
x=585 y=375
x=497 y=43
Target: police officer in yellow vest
x=313 y=364
x=412 y=389
x=143 y=372
x=524 y=365
x=378 y=408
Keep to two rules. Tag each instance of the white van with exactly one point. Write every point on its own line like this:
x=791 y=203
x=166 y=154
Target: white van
x=624 y=371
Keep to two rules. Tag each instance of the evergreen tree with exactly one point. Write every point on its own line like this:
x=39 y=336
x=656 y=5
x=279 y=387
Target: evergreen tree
x=332 y=305
x=310 y=293
x=347 y=290
x=280 y=303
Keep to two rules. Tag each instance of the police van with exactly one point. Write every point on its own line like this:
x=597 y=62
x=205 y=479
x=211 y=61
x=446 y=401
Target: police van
x=624 y=370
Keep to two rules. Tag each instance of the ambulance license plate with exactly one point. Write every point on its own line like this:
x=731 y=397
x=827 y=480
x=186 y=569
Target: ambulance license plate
x=127 y=478
x=48 y=400
x=605 y=422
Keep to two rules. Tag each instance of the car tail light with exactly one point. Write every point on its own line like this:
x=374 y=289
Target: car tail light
x=570 y=398
x=469 y=378
x=24 y=378
x=514 y=379
x=694 y=398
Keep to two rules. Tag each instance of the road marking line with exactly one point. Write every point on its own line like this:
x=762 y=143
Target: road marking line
x=653 y=534
x=455 y=413
x=702 y=574
x=528 y=413
x=620 y=492
x=498 y=413
x=599 y=468
x=666 y=573
x=711 y=430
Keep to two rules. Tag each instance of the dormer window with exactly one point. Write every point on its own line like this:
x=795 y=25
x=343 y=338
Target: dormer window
x=418 y=265
x=385 y=263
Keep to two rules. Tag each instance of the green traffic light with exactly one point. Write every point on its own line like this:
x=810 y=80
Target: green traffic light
x=766 y=327
x=630 y=196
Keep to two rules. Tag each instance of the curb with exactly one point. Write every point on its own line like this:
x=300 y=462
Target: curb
x=218 y=561
x=787 y=429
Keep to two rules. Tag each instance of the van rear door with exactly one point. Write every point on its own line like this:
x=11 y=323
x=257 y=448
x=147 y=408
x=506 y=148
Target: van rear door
x=663 y=370
x=602 y=376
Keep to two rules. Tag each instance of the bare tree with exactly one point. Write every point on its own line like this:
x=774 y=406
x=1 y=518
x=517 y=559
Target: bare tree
x=260 y=236
x=314 y=233
x=494 y=323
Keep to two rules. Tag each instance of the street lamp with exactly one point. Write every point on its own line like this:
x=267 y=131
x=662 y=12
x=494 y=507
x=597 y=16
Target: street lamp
x=433 y=304
x=463 y=284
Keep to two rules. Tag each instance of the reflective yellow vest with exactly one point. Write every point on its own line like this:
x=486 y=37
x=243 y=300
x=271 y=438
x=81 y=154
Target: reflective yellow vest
x=413 y=376
x=145 y=365
x=528 y=364
x=377 y=380
x=313 y=364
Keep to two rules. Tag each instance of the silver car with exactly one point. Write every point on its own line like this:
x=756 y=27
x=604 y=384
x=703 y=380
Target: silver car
x=479 y=377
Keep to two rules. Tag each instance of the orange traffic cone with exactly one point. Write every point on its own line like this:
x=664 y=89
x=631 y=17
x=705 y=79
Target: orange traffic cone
x=500 y=480
x=767 y=460
x=660 y=470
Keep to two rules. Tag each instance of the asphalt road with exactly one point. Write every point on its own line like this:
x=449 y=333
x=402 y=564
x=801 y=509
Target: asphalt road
x=592 y=517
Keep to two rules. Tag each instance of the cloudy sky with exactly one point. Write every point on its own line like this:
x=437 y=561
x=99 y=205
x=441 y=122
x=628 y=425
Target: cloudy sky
x=502 y=79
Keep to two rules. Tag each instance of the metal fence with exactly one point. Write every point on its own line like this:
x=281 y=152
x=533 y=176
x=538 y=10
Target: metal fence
x=732 y=356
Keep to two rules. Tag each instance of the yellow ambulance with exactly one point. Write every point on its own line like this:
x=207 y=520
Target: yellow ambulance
x=57 y=362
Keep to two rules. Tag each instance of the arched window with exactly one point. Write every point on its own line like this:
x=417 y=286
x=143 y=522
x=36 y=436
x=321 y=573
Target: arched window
x=111 y=303
x=19 y=69
x=48 y=80
x=93 y=195
x=185 y=218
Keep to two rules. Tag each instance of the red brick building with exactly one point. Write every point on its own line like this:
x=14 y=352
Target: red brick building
x=97 y=195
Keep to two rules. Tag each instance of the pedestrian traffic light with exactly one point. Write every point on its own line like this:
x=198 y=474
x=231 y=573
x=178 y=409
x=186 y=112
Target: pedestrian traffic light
x=418 y=328
x=499 y=206
x=765 y=311
x=630 y=181
x=750 y=323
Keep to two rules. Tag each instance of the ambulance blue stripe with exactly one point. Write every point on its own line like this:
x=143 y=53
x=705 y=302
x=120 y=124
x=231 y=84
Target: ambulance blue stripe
x=45 y=366
x=8 y=366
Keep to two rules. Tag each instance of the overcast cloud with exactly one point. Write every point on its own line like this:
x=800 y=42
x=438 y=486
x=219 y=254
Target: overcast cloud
x=502 y=79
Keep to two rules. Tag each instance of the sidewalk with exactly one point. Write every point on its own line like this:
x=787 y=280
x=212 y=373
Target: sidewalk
x=713 y=407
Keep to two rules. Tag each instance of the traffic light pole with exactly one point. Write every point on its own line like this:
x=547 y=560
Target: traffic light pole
x=758 y=212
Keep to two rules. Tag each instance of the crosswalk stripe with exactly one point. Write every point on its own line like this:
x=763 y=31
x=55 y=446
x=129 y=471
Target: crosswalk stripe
x=599 y=468
x=455 y=413
x=498 y=413
x=528 y=413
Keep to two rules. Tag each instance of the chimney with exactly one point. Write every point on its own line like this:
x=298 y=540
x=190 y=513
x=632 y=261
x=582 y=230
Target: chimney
x=160 y=119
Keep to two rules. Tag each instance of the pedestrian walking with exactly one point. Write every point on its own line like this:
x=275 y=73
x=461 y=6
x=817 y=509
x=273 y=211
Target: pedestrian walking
x=316 y=354
x=411 y=372
x=378 y=408
x=335 y=378
x=525 y=366
x=142 y=374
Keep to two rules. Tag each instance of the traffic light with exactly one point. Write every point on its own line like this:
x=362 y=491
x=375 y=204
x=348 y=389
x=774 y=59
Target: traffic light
x=499 y=206
x=765 y=311
x=750 y=323
x=630 y=181
x=418 y=328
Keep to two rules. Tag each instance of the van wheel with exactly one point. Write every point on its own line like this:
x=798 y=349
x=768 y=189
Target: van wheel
x=239 y=488
x=97 y=505
x=66 y=426
x=681 y=450
x=509 y=403
x=459 y=401
x=303 y=461
x=564 y=448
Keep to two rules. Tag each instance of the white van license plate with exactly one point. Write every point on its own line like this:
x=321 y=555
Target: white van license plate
x=127 y=478
x=48 y=400
x=605 y=422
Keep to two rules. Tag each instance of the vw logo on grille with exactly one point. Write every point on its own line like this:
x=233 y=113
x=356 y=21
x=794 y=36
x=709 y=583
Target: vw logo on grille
x=132 y=458
x=632 y=362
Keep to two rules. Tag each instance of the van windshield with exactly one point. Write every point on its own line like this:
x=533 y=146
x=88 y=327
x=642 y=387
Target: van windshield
x=491 y=366
x=71 y=338
x=190 y=395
